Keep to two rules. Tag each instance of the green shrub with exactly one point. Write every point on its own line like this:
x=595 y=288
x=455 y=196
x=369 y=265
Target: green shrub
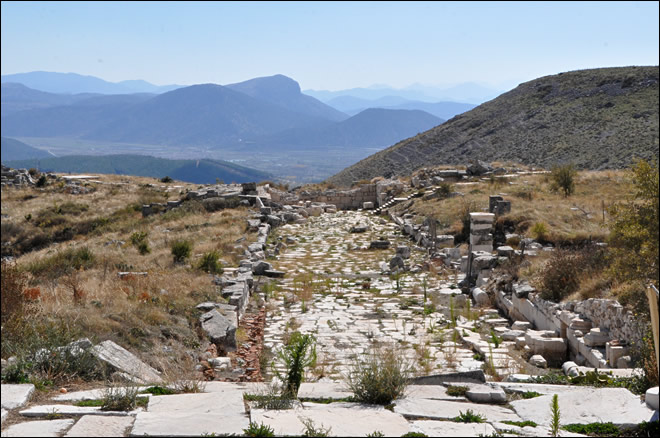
x=42 y=181
x=298 y=354
x=166 y=179
x=594 y=429
x=312 y=431
x=62 y=263
x=258 y=430
x=539 y=231
x=209 y=263
x=554 y=415
x=122 y=399
x=380 y=378
x=457 y=391
x=563 y=179
x=520 y=423
x=469 y=417
x=560 y=276
x=158 y=390
x=181 y=250
x=139 y=240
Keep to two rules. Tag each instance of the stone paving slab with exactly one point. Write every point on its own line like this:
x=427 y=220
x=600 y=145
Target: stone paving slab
x=511 y=430
x=590 y=405
x=92 y=425
x=188 y=423
x=451 y=429
x=446 y=410
x=38 y=428
x=343 y=419
x=15 y=396
x=45 y=410
x=541 y=388
x=92 y=394
x=220 y=403
x=324 y=390
x=433 y=392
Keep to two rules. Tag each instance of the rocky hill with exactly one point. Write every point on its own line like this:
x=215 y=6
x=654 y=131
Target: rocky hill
x=597 y=119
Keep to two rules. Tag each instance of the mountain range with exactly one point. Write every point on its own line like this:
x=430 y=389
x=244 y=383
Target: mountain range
x=73 y=83
x=596 y=119
x=13 y=149
x=445 y=110
x=262 y=112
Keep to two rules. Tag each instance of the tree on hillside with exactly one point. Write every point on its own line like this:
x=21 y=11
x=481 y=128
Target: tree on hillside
x=563 y=179
x=634 y=228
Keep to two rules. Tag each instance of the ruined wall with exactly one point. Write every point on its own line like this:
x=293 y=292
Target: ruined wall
x=343 y=199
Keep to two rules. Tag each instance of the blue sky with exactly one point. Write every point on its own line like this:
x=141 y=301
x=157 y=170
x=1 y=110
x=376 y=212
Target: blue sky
x=327 y=45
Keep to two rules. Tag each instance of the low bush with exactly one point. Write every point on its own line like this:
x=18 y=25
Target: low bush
x=258 y=430
x=469 y=417
x=298 y=354
x=181 y=250
x=122 y=398
x=62 y=263
x=209 y=263
x=139 y=240
x=457 y=391
x=560 y=276
x=594 y=429
x=380 y=378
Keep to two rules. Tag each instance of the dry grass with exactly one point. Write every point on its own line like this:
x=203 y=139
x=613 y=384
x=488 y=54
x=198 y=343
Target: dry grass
x=576 y=217
x=144 y=313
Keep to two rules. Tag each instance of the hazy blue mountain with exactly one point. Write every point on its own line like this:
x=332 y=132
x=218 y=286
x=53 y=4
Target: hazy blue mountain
x=196 y=171
x=444 y=110
x=355 y=104
x=17 y=150
x=204 y=115
x=73 y=120
x=73 y=83
x=285 y=92
x=17 y=97
x=371 y=128
x=467 y=92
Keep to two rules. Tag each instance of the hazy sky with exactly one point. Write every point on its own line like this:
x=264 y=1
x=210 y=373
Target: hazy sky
x=327 y=45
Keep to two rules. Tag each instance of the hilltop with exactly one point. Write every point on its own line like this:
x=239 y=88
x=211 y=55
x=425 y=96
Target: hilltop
x=597 y=119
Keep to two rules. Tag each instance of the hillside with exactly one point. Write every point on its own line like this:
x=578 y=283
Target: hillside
x=16 y=150
x=596 y=119
x=17 y=97
x=370 y=128
x=194 y=171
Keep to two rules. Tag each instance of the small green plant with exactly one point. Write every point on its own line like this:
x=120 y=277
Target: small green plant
x=258 y=430
x=457 y=391
x=379 y=378
x=121 y=399
x=496 y=340
x=181 y=250
x=158 y=390
x=209 y=263
x=452 y=314
x=530 y=394
x=520 y=423
x=539 y=231
x=139 y=240
x=469 y=417
x=414 y=434
x=594 y=429
x=298 y=354
x=270 y=398
x=312 y=431
x=563 y=179
x=554 y=416
x=376 y=434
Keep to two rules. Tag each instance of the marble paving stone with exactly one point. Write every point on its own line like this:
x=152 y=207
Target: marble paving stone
x=46 y=410
x=15 y=396
x=451 y=429
x=38 y=428
x=188 y=423
x=91 y=425
x=343 y=419
x=589 y=405
x=446 y=410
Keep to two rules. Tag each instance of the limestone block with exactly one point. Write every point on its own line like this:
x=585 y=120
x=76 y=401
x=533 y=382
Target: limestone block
x=596 y=337
x=613 y=351
x=39 y=428
x=538 y=361
x=485 y=394
x=570 y=369
x=15 y=395
x=652 y=398
x=220 y=330
x=521 y=325
x=481 y=298
x=624 y=362
x=368 y=205
x=125 y=361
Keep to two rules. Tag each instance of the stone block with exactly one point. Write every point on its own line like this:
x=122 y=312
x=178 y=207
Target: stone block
x=403 y=251
x=596 y=337
x=521 y=325
x=538 y=361
x=15 y=395
x=96 y=426
x=220 y=330
x=652 y=398
x=38 y=428
x=125 y=361
x=485 y=394
x=368 y=205
x=481 y=298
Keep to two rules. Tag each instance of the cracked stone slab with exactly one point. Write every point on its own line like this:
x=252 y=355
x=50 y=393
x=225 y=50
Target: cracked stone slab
x=188 y=423
x=38 y=428
x=224 y=403
x=46 y=410
x=447 y=410
x=91 y=425
x=589 y=405
x=343 y=419
x=511 y=430
x=92 y=394
x=15 y=396
x=125 y=361
x=433 y=392
x=451 y=429
x=323 y=390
